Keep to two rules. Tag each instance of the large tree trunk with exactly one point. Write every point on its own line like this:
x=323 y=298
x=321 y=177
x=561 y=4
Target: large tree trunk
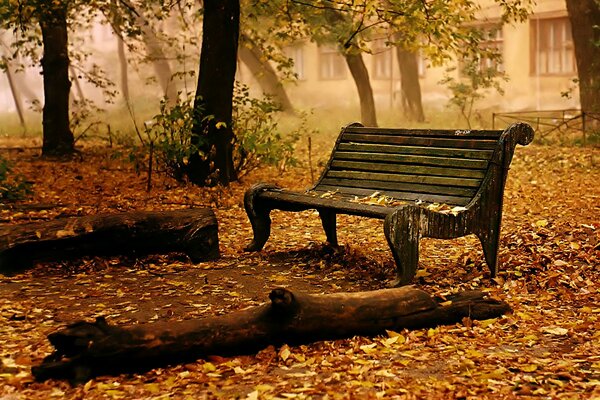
x=585 y=19
x=212 y=131
x=84 y=350
x=267 y=78
x=409 y=84
x=58 y=138
x=193 y=232
x=360 y=74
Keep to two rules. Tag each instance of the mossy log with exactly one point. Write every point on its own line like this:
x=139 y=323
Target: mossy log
x=190 y=231
x=84 y=349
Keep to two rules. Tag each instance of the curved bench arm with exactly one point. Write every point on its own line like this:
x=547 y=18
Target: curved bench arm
x=259 y=216
x=524 y=133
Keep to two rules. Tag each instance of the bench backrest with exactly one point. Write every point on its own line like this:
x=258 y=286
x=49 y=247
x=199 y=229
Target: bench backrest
x=434 y=166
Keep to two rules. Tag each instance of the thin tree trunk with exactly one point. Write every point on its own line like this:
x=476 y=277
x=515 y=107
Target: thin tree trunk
x=157 y=56
x=116 y=23
x=359 y=71
x=267 y=78
x=124 y=73
x=15 y=93
x=22 y=82
x=78 y=87
x=585 y=19
x=212 y=132
x=409 y=84
x=58 y=138
x=160 y=63
x=360 y=74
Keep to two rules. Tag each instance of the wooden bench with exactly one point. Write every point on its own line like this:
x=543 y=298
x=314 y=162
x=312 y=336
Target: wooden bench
x=422 y=183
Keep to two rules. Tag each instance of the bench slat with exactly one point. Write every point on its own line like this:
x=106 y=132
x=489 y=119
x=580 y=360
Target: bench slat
x=398 y=186
x=406 y=196
x=340 y=203
x=412 y=159
x=417 y=150
x=390 y=177
x=452 y=142
x=408 y=169
x=465 y=133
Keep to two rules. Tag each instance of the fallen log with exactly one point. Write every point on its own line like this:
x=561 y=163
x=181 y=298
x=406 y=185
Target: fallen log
x=190 y=231
x=84 y=349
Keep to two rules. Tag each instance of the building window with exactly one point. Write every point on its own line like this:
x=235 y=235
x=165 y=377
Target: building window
x=296 y=54
x=331 y=63
x=552 y=47
x=493 y=41
x=489 y=59
x=382 y=60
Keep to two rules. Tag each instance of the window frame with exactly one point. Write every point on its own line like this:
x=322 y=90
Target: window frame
x=557 y=52
x=295 y=52
x=332 y=55
x=487 y=42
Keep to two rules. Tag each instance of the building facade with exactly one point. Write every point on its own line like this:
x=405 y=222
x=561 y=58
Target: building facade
x=537 y=56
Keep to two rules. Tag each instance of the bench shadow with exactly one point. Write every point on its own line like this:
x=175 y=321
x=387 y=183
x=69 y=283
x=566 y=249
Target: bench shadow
x=319 y=258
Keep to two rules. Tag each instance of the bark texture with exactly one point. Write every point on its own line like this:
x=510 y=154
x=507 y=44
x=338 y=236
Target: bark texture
x=192 y=231
x=212 y=132
x=356 y=64
x=84 y=350
x=585 y=19
x=409 y=85
x=58 y=139
x=360 y=74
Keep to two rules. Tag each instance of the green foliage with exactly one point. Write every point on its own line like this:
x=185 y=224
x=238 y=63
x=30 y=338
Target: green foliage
x=439 y=28
x=593 y=139
x=167 y=137
x=85 y=119
x=472 y=84
x=257 y=135
x=568 y=94
x=12 y=186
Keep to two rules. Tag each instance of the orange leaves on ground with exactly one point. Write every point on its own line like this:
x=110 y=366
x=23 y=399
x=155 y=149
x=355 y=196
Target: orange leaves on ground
x=549 y=252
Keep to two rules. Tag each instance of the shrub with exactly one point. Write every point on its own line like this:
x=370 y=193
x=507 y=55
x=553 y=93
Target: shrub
x=12 y=186
x=473 y=83
x=257 y=138
x=169 y=137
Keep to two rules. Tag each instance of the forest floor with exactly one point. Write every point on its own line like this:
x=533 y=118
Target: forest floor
x=549 y=347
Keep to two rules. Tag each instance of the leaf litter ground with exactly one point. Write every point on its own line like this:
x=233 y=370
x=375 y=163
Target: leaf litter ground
x=549 y=253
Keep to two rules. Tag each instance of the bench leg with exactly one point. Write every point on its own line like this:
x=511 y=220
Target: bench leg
x=402 y=233
x=489 y=242
x=328 y=221
x=258 y=216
